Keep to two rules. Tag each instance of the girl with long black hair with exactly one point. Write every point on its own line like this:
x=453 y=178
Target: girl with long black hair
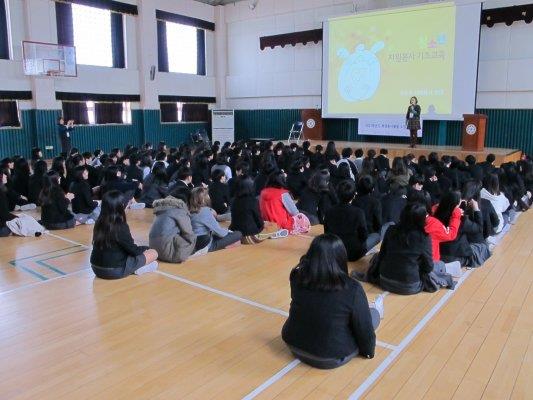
x=330 y=321
x=115 y=255
x=54 y=203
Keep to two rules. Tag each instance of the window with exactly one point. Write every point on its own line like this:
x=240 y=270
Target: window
x=92 y=35
x=4 y=38
x=97 y=113
x=97 y=33
x=9 y=114
x=184 y=112
x=182 y=48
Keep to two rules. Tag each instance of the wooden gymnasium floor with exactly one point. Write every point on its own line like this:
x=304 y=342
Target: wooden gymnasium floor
x=210 y=328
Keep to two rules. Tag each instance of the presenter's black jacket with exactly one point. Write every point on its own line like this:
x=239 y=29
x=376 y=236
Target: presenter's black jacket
x=330 y=324
x=349 y=224
x=416 y=113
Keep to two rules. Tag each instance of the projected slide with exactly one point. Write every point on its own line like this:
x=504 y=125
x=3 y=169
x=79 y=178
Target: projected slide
x=376 y=61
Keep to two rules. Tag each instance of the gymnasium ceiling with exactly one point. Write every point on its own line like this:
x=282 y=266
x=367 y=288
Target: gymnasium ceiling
x=218 y=2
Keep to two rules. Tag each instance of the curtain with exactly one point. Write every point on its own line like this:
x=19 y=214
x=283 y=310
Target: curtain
x=76 y=111
x=169 y=112
x=65 y=27
x=200 y=43
x=4 y=40
x=195 y=112
x=108 y=113
x=117 y=40
x=9 y=114
x=162 y=51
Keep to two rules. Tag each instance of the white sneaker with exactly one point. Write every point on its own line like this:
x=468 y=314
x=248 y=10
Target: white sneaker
x=28 y=207
x=89 y=221
x=137 y=206
x=147 y=268
x=454 y=269
x=379 y=305
x=282 y=233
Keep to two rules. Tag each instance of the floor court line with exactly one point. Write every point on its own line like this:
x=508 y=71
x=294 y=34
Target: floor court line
x=67 y=240
x=47 y=252
x=374 y=376
x=30 y=285
x=273 y=379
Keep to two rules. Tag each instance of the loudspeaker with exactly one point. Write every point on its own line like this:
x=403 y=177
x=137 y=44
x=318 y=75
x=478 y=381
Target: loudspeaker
x=152 y=72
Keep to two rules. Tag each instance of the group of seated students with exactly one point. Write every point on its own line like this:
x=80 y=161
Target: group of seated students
x=431 y=215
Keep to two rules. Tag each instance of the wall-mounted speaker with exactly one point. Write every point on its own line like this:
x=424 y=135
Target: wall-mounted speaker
x=152 y=72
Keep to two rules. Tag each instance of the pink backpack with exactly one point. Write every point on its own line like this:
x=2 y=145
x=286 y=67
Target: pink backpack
x=301 y=224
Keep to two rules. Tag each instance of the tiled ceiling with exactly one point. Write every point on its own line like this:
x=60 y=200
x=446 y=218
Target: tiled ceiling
x=219 y=2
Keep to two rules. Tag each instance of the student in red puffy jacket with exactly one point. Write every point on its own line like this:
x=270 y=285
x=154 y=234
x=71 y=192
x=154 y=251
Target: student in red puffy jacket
x=275 y=202
x=443 y=226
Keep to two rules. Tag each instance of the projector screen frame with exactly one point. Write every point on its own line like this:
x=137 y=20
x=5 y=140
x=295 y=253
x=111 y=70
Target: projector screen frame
x=454 y=116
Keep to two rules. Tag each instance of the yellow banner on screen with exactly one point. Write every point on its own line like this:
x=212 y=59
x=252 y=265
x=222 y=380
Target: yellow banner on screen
x=378 y=60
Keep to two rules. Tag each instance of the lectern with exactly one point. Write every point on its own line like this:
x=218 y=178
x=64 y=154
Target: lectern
x=474 y=127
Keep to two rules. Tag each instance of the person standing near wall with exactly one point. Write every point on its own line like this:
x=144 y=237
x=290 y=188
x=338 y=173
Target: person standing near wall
x=412 y=118
x=64 y=132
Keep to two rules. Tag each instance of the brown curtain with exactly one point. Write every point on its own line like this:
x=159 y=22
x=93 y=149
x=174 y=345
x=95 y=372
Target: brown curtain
x=195 y=112
x=77 y=111
x=169 y=112
x=108 y=113
x=9 y=114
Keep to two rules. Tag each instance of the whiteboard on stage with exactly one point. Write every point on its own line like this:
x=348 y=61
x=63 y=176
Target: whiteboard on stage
x=223 y=126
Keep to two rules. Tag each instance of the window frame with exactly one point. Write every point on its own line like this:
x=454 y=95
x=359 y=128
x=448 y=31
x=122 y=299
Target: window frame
x=127 y=112
x=180 y=111
x=19 y=116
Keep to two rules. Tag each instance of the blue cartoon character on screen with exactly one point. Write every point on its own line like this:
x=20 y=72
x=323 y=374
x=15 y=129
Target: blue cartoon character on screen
x=361 y=72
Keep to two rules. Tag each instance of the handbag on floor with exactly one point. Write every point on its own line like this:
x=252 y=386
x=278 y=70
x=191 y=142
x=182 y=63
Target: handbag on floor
x=301 y=224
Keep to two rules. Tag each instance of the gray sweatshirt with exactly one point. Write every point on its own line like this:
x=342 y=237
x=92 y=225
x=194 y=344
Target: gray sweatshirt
x=204 y=223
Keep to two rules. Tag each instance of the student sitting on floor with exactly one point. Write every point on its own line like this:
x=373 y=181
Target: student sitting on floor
x=349 y=224
x=405 y=254
x=155 y=185
x=245 y=215
x=330 y=321
x=277 y=205
x=171 y=234
x=115 y=255
x=210 y=235
x=491 y=192
x=469 y=247
x=370 y=205
x=54 y=204
x=219 y=194
x=85 y=209
x=36 y=181
x=114 y=181
x=5 y=214
x=317 y=198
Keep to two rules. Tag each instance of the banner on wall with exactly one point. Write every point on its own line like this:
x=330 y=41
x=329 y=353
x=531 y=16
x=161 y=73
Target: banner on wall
x=392 y=125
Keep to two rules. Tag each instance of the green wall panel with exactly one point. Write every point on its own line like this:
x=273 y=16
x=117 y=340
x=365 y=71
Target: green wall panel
x=18 y=140
x=172 y=134
x=511 y=129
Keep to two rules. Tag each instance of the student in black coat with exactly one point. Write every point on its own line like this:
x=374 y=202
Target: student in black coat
x=382 y=161
x=5 y=214
x=155 y=185
x=115 y=255
x=245 y=215
x=54 y=204
x=36 y=181
x=392 y=205
x=349 y=223
x=405 y=254
x=115 y=181
x=85 y=209
x=21 y=177
x=469 y=247
x=219 y=192
x=133 y=171
x=475 y=170
x=296 y=179
x=317 y=198
x=329 y=321
x=182 y=186
x=370 y=205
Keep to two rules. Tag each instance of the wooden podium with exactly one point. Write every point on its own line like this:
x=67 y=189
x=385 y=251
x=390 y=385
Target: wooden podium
x=313 y=127
x=474 y=127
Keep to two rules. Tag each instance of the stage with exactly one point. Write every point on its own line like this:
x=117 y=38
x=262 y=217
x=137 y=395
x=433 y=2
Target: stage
x=502 y=155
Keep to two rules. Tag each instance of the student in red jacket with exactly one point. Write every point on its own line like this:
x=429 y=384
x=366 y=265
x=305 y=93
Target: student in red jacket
x=276 y=205
x=443 y=226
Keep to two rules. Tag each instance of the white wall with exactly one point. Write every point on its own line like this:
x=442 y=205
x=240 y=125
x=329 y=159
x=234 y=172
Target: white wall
x=291 y=77
x=36 y=20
